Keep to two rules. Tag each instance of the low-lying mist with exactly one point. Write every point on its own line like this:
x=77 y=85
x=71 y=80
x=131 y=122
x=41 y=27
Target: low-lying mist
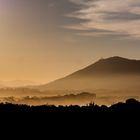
x=108 y=90
x=35 y=97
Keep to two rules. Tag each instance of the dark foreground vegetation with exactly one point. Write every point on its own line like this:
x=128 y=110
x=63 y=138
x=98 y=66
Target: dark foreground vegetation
x=91 y=119
x=130 y=106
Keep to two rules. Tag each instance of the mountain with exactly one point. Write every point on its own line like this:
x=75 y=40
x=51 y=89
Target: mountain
x=113 y=73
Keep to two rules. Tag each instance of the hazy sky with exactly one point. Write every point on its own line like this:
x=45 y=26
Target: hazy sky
x=42 y=40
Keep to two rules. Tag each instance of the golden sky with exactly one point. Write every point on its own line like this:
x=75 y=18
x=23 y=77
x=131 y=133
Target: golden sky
x=42 y=40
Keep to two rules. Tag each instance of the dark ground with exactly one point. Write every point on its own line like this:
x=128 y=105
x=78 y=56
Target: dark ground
x=72 y=122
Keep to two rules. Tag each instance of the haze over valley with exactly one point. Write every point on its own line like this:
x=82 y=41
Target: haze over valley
x=112 y=79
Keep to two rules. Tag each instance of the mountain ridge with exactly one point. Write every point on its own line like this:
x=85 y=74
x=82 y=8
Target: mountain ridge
x=112 y=64
x=101 y=74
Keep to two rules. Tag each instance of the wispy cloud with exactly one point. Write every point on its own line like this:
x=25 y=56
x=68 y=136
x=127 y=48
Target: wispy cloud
x=107 y=17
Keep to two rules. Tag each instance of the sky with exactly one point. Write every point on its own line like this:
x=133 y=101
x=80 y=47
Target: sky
x=43 y=40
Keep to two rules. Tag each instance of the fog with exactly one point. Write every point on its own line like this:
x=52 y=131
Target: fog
x=108 y=90
x=56 y=100
x=62 y=97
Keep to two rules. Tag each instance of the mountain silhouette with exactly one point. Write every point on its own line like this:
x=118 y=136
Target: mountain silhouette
x=111 y=73
x=113 y=65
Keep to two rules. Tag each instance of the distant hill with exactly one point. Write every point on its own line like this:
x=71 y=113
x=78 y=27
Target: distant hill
x=16 y=83
x=70 y=99
x=111 y=73
x=77 y=99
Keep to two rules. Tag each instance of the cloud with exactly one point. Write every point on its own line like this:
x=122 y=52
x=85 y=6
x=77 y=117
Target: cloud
x=107 y=17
